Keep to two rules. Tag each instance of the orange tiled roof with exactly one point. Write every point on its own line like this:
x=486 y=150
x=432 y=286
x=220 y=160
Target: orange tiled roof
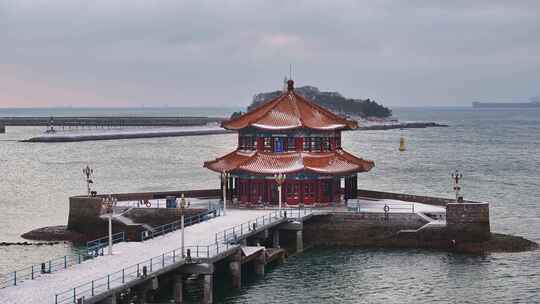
x=335 y=162
x=290 y=111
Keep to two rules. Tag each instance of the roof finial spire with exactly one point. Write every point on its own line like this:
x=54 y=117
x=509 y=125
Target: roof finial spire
x=290 y=70
x=290 y=85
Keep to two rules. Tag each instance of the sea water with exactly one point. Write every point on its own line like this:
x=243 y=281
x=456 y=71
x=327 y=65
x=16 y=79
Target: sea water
x=498 y=152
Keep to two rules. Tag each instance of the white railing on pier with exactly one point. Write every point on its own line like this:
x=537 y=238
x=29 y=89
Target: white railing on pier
x=34 y=271
x=387 y=207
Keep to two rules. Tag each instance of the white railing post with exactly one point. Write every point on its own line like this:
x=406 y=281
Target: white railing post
x=110 y=233
x=182 y=227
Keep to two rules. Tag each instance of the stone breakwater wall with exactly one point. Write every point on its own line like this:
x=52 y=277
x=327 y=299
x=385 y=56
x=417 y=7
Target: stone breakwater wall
x=110 y=121
x=158 y=216
x=468 y=222
x=430 y=200
x=85 y=213
x=2 y=129
x=358 y=229
x=113 y=136
x=133 y=196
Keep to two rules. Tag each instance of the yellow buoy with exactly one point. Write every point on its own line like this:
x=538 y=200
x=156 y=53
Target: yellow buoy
x=401 y=144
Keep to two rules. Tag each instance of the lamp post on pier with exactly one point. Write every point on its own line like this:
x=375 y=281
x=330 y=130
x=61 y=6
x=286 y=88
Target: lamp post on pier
x=108 y=203
x=88 y=173
x=225 y=179
x=457 y=177
x=182 y=206
x=280 y=179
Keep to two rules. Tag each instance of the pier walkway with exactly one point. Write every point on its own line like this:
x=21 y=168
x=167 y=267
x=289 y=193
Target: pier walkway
x=97 y=278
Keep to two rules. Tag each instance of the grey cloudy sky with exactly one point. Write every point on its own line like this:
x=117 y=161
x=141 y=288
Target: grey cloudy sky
x=215 y=53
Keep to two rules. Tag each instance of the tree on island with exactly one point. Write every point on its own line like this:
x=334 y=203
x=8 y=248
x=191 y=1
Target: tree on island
x=333 y=101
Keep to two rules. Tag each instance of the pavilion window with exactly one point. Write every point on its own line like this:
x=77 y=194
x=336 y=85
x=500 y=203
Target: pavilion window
x=307 y=143
x=316 y=144
x=325 y=144
x=291 y=143
x=338 y=142
x=328 y=188
x=249 y=142
x=268 y=144
x=279 y=144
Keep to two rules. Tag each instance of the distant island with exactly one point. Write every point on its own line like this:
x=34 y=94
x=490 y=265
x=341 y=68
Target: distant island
x=333 y=101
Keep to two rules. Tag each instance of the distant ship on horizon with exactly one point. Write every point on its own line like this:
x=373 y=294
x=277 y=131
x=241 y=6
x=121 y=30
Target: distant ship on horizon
x=534 y=102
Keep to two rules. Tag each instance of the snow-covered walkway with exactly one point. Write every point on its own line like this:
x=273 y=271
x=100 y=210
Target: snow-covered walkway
x=44 y=288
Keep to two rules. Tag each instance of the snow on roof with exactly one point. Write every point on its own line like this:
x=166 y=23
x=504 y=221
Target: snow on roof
x=288 y=111
x=333 y=162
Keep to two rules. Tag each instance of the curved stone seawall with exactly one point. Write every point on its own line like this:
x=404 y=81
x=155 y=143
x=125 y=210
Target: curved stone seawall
x=468 y=222
x=358 y=229
x=85 y=213
x=430 y=200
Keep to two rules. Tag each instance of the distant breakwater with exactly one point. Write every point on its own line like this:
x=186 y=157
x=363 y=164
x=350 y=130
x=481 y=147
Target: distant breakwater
x=120 y=135
x=404 y=125
x=109 y=121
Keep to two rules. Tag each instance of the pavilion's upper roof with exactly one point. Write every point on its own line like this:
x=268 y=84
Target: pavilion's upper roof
x=290 y=111
x=257 y=162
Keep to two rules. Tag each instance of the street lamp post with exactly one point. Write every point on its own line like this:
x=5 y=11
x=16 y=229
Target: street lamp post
x=225 y=179
x=108 y=203
x=457 y=177
x=182 y=206
x=280 y=179
x=88 y=172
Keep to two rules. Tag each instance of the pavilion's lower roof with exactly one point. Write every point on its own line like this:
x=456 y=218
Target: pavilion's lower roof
x=256 y=162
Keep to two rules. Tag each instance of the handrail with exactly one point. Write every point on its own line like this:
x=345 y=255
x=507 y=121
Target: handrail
x=36 y=270
x=144 y=268
x=232 y=234
x=391 y=206
x=53 y=265
x=188 y=221
x=96 y=246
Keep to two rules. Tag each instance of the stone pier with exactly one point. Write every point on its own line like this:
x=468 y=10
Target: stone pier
x=260 y=263
x=299 y=241
x=204 y=270
x=178 y=288
x=275 y=239
x=208 y=288
x=235 y=266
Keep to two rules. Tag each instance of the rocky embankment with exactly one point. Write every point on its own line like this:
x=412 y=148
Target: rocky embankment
x=54 y=234
x=498 y=243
